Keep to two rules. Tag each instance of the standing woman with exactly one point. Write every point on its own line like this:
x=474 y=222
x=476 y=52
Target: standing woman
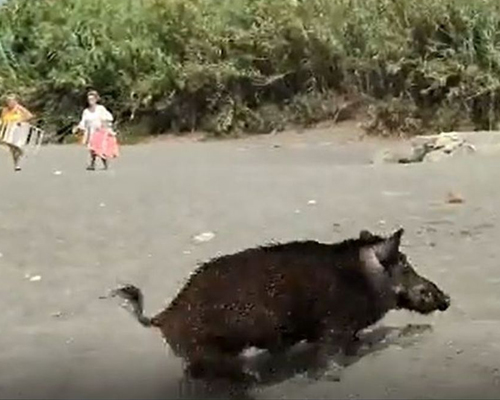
x=96 y=124
x=14 y=112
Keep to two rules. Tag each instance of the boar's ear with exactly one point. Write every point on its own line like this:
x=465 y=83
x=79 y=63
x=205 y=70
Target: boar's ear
x=388 y=249
x=369 y=259
x=366 y=235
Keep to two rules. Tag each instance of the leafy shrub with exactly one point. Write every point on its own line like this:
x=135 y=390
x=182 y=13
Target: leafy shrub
x=256 y=65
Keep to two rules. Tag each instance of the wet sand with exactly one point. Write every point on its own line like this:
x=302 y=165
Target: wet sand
x=67 y=238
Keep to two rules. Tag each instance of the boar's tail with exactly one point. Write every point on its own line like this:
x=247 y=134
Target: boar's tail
x=133 y=297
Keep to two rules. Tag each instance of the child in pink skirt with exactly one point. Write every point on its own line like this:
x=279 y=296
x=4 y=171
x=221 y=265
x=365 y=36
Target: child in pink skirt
x=98 y=133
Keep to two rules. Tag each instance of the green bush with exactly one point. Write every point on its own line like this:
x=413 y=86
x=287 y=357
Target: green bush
x=256 y=65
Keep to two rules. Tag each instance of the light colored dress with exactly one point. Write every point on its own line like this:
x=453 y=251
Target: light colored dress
x=99 y=136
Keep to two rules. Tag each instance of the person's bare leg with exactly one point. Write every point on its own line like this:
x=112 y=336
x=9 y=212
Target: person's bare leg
x=104 y=162
x=16 y=157
x=91 y=166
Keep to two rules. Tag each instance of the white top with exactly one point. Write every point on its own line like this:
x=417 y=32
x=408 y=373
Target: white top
x=93 y=120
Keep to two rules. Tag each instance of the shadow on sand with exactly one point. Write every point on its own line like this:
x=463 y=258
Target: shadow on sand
x=304 y=361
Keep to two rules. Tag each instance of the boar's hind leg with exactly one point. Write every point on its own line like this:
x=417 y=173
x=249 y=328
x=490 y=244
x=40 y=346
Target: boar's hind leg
x=332 y=354
x=215 y=364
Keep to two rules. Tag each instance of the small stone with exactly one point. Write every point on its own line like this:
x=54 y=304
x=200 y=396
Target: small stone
x=454 y=198
x=394 y=194
x=204 y=237
x=35 y=278
x=57 y=172
x=311 y=202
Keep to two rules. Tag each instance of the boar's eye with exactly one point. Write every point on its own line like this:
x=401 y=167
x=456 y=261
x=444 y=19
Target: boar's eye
x=403 y=262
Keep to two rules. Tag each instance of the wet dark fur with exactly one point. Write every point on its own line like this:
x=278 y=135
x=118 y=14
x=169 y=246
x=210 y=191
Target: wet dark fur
x=269 y=297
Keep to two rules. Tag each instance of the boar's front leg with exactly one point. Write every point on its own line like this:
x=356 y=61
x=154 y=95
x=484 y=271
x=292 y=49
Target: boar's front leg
x=339 y=341
x=333 y=348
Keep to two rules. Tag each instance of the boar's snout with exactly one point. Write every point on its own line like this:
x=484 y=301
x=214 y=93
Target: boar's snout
x=445 y=302
x=424 y=298
x=435 y=299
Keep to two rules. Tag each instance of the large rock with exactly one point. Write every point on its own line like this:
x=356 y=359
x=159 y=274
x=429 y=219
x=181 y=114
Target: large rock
x=445 y=141
x=480 y=139
x=446 y=145
x=436 y=156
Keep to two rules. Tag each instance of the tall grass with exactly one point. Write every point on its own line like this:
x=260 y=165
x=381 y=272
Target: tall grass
x=257 y=65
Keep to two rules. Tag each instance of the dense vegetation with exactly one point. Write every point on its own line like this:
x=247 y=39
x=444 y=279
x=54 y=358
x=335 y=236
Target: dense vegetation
x=256 y=65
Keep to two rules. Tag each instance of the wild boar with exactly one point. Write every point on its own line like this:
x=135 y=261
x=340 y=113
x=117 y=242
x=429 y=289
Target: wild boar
x=275 y=296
